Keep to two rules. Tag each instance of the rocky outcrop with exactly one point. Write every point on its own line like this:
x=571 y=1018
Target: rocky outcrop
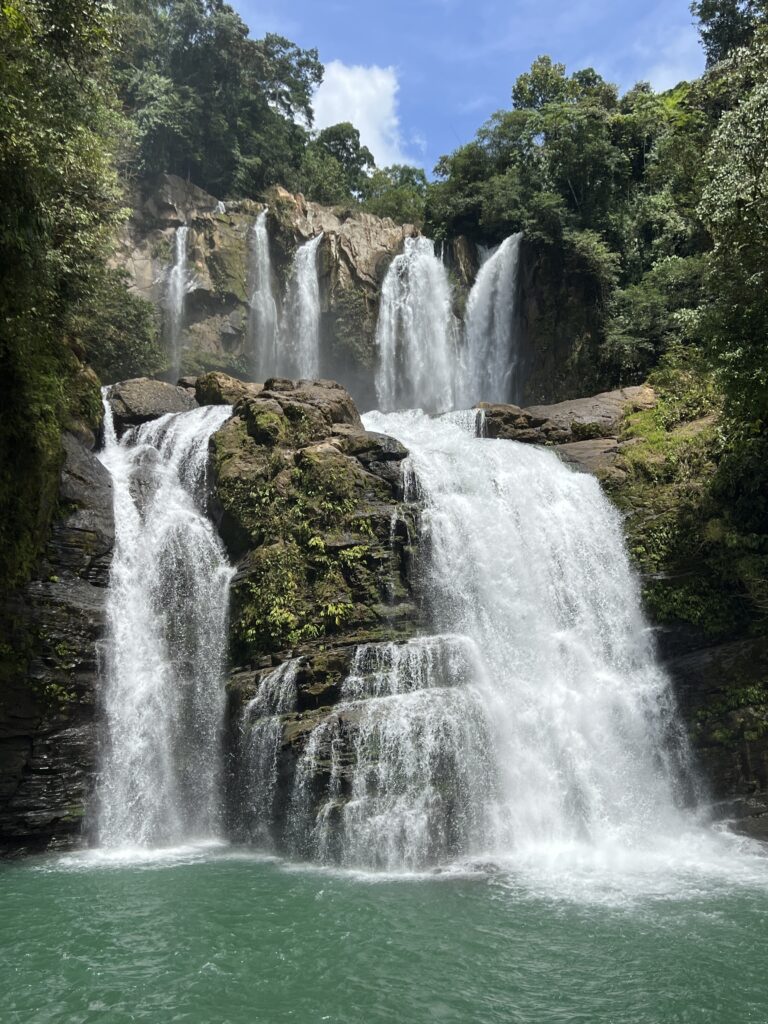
x=310 y=508
x=585 y=430
x=561 y=308
x=221 y=389
x=47 y=705
x=142 y=399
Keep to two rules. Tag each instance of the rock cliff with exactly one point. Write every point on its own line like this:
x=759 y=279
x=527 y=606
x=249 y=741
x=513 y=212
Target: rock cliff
x=356 y=250
x=311 y=509
x=48 y=731
x=560 y=317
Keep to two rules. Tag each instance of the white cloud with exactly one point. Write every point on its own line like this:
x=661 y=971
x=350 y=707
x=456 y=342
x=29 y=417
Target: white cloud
x=366 y=96
x=679 y=59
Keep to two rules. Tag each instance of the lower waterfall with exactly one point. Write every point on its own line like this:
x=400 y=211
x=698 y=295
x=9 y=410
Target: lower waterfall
x=163 y=673
x=535 y=718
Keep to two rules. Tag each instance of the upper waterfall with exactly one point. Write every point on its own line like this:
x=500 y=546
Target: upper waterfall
x=490 y=354
x=176 y=290
x=416 y=334
x=166 y=644
x=262 y=352
x=300 y=328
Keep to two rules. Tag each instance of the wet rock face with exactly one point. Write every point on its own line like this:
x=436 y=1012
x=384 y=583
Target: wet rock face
x=310 y=508
x=47 y=707
x=355 y=253
x=722 y=691
x=142 y=399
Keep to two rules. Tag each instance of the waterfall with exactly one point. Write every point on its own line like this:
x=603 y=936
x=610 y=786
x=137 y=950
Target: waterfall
x=262 y=311
x=490 y=353
x=263 y=728
x=174 y=297
x=536 y=718
x=163 y=687
x=416 y=333
x=300 y=327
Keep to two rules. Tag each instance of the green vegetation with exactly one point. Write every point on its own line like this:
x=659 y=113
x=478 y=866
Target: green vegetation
x=234 y=114
x=657 y=206
x=60 y=202
x=305 y=514
x=645 y=215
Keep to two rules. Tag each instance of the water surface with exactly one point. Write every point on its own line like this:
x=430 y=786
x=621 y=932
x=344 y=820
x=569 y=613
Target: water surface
x=219 y=935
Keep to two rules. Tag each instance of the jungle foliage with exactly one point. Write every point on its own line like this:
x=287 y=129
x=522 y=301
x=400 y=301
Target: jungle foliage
x=660 y=200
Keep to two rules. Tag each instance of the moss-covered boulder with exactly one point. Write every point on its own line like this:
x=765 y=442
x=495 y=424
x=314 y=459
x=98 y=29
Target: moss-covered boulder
x=310 y=508
x=308 y=501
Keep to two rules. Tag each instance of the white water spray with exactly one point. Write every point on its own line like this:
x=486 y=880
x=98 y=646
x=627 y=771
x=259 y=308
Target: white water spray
x=166 y=645
x=178 y=283
x=300 y=329
x=541 y=721
x=262 y=352
x=490 y=352
x=416 y=334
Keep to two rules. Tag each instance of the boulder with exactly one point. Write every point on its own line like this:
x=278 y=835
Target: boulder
x=142 y=399
x=581 y=419
x=598 y=416
x=221 y=389
x=174 y=200
x=598 y=456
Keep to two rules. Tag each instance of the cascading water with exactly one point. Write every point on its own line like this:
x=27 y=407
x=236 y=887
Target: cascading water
x=176 y=290
x=406 y=755
x=536 y=719
x=300 y=328
x=416 y=334
x=262 y=353
x=490 y=353
x=166 y=644
x=263 y=728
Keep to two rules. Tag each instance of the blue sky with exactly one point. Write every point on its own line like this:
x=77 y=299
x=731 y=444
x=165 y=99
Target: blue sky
x=418 y=77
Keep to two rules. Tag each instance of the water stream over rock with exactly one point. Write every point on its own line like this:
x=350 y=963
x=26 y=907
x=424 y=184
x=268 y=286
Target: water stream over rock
x=491 y=355
x=534 y=721
x=166 y=647
x=176 y=291
x=416 y=334
x=262 y=352
x=299 y=354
